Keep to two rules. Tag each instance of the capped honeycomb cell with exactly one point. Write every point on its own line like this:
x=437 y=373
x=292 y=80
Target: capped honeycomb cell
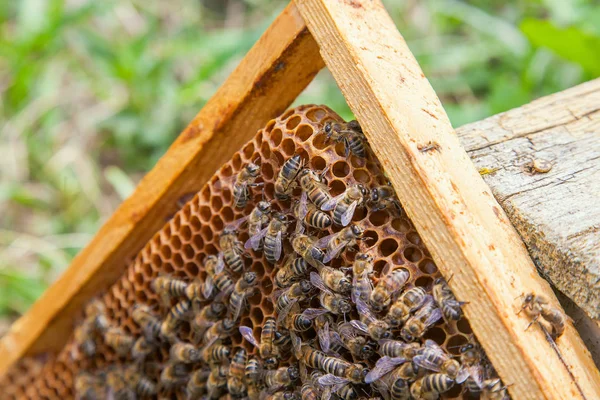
x=180 y=249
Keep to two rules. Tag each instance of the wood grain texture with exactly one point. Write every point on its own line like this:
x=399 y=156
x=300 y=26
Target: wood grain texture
x=281 y=64
x=556 y=213
x=466 y=230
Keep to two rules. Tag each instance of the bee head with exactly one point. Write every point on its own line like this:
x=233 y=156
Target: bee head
x=328 y=128
x=528 y=298
x=271 y=363
x=438 y=281
x=228 y=324
x=357 y=230
x=466 y=347
x=264 y=206
x=250 y=277
x=406 y=335
x=252 y=168
x=305 y=286
x=217 y=308
x=293 y=372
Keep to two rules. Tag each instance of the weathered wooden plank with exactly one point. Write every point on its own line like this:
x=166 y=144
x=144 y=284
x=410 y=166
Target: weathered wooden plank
x=281 y=64
x=556 y=213
x=461 y=223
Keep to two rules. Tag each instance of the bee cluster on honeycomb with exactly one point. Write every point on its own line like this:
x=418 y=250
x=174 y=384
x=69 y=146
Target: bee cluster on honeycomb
x=293 y=274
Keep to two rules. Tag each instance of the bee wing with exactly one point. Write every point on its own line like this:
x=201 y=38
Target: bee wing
x=331 y=203
x=248 y=335
x=317 y=282
x=278 y=246
x=347 y=330
x=422 y=361
x=432 y=346
x=334 y=251
x=303 y=206
x=435 y=316
x=324 y=241
x=312 y=313
x=254 y=241
x=347 y=216
x=220 y=264
x=324 y=338
x=383 y=366
x=207 y=287
x=238 y=222
x=332 y=380
x=285 y=311
x=297 y=346
x=364 y=310
x=238 y=308
x=383 y=389
x=359 y=325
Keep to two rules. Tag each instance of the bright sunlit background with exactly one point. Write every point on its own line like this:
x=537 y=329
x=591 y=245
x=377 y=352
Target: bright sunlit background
x=93 y=92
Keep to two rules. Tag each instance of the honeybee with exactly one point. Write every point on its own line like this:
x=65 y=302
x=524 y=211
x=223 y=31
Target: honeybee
x=350 y=133
x=356 y=344
x=493 y=389
x=150 y=324
x=219 y=330
x=345 y=204
x=281 y=378
x=146 y=387
x=185 y=353
x=120 y=384
x=215 y=354
x=322 y=321
x=120 y=341
x=243 y=182
x=434 y=358
x=293 y=268
x=337 y=242
x=536 y=306
x=354 y=373
x=298 y=322
x=335 y=279
x=418 y=324
x=290 y=296
x=232 y=249
x=253 y=372
x=369 y=324
x=142 y=348
x=332 y=302
x=431 y=386
x=383 y=197
x=213 y=265
x=235 y=379
x=409 y=302
x=85 y=338
x=196 y=385
x=257 y=220
x=362 y=269
x=268 y=352
x=398 y=348
x=305 y=247
x=471 y=371
x=167 y=287
x=89 y=387
x=207 y=317
x=403 y=368
x=273 y=235
x=391 y=280
x=285 y=182
x=314 y=186
x=243 y=288
x=429 y=146
x=217 y=382
x=446 y=301
x=310 y=215
x=178 y=312
x=174 y=374
x=311 y=389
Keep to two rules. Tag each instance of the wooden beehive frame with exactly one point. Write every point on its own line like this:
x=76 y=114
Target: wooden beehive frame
x=461 y=223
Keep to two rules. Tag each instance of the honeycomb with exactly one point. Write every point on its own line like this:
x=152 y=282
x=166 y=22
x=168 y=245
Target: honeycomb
x=180 y=247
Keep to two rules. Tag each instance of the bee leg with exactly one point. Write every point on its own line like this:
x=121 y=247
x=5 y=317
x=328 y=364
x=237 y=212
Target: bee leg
x=532 y=321
x=347 y=146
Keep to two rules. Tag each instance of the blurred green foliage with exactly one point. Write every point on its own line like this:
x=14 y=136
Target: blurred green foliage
x=93 y=93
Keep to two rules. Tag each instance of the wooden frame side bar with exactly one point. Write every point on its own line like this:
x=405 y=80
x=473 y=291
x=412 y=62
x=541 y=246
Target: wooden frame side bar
x=467 y=232
x=280 y=65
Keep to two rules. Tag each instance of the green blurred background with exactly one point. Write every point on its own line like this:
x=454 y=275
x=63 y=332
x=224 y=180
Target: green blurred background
x=93 y=92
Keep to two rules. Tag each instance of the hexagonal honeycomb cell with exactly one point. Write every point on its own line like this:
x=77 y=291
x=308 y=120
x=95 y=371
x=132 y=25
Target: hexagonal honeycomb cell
x=181 y=247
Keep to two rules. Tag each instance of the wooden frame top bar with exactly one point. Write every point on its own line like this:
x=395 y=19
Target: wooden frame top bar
x=466 y=230
x=278 y=68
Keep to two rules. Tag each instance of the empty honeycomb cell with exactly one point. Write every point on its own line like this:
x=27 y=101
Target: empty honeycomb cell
x=340 y=169
x=316 y=114
x=361 y=176
x=181 y=246
x=388 y=246
x=413 y=254
x=304 y=132
x=340 y=150
x=293 y=122
x=175 y=243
